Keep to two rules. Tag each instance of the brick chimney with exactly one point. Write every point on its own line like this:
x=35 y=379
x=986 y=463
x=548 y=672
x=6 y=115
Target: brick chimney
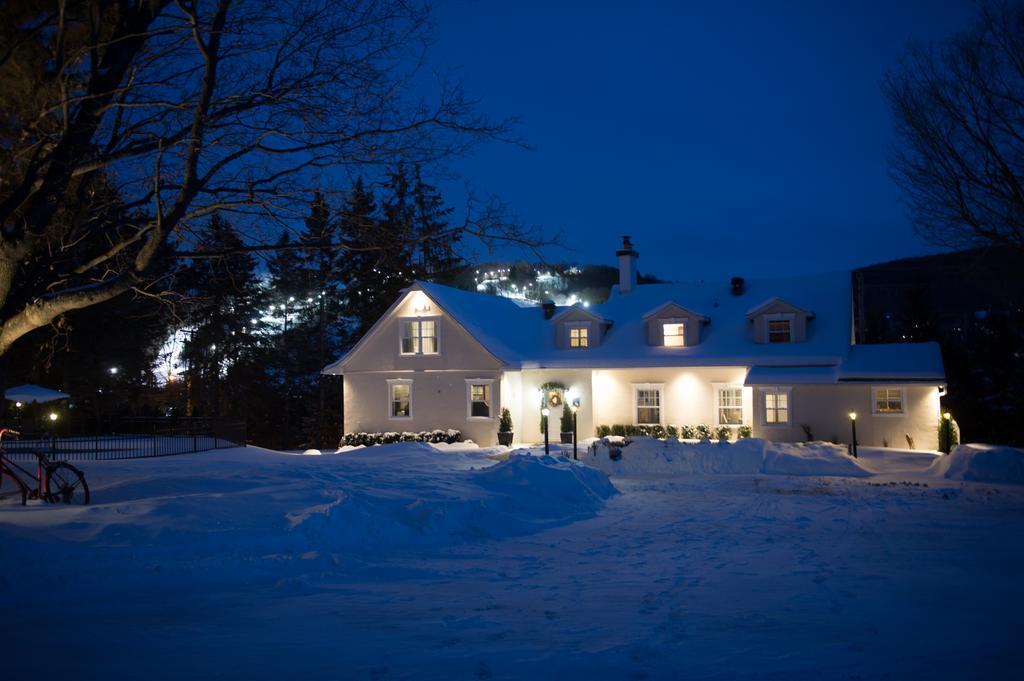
x=627 y=266
x=549 y=308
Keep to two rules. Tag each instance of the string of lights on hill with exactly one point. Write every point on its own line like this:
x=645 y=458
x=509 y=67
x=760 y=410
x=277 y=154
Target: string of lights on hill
x=533 y=283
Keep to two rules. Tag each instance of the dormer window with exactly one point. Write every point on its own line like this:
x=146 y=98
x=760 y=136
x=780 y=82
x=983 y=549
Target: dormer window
x=579 y=336
x=419 y=336
x=673 y=333
x=779 y=328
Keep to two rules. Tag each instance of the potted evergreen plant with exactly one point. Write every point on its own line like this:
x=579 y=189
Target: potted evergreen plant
x=566 y=425
x=505 y=428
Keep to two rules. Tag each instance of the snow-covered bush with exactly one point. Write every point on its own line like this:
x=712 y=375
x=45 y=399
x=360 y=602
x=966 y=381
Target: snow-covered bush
x=619 y=429
x=369 y=439
x=723 y=433
x=703 y=432
x=603 y=431
x=671 y=431
x=687 y=432
x=949 y=436
x=744 y=432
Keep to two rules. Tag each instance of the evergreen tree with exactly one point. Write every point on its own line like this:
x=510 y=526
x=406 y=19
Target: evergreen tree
x=436 y=241
x=222 y=295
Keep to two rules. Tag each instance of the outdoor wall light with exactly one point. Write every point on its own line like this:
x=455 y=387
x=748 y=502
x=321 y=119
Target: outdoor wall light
x=53 y=416
x=947 y=416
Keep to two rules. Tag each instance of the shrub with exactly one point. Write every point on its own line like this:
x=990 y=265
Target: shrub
x=618 y=429
x=505 y=422
x=566 y=419
x=657 y=430
x=604 y=431
x=632 y=430
x=808 y=433
x=450 y=436
x=687 y=432
x=703 y=432
x=948 y=437
x=671 y=431
x=744 y=431
x=723 y=433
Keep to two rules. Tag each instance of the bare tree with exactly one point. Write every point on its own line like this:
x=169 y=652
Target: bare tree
x=126 y=120
x=959 y=113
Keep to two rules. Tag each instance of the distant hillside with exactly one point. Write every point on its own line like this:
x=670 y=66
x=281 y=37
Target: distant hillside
x=563 y=283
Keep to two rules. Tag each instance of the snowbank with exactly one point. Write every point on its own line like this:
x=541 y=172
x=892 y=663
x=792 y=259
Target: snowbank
x=647 y=456
x=364 y=501
x=982 y=463
x=517 y=496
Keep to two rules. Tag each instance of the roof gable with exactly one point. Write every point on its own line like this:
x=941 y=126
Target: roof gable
x=774 y=305
x=674 y=309
x=578 y=312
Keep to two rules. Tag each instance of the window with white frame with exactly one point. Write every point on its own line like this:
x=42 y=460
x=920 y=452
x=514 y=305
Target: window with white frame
x=400 y=398
x=779 y=328
x=888 y=400
x=579 y=336
x=775 y=407
x=479 y=398
x=419 y=336
x=673 y=333
x=647 y=398
x=729 y=407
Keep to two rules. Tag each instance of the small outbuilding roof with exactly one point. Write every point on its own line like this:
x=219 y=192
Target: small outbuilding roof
x=33 y=393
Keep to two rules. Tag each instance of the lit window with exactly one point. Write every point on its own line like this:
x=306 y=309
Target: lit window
x=780 y=330
x=648 y=405
x=578 y=337
x=674 y=334
x=730 y=406
x=480 y=400
x=776 y=406
x=400 y=393
x=888 y=400
x=419 y=336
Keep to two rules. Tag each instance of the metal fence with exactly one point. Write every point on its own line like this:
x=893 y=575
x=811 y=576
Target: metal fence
x=133 y=438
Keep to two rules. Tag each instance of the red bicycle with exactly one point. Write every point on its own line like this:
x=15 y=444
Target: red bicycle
x=57 y=482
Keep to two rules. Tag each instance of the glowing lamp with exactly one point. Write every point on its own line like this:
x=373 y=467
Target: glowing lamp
x=53 y=416
x=947 y=416
x=19 y=405
x=853 y=416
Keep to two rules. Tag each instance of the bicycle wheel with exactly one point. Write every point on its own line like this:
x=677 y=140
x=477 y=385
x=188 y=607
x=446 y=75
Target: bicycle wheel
x=65 y=484
x=12 y=489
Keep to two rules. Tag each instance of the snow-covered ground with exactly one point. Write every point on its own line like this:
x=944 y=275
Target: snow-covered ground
x=411 y=561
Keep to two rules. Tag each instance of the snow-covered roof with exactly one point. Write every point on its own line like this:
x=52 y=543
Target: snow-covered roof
x=29 y=393
x=521 y=337
x=893 y=362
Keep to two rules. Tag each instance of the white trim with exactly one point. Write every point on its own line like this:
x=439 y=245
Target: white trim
x=874 y=400
x=569 y=326
x=660 y=387
x=715 y=387
x=673 y=321
x=437 y=335
x=470 y=382
x=777 y=316
x=390 y=404
x=783 y=389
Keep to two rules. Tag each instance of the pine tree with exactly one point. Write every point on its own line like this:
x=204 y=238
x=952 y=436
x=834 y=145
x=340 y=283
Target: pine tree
x=436 y=241
x=222 y=296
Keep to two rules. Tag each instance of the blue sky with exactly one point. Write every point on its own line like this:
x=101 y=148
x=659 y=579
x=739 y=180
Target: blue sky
x=726 y=137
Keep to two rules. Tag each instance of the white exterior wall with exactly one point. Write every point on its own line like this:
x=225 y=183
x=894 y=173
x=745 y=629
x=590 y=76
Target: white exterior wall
x=826 y=409
x=688 y=394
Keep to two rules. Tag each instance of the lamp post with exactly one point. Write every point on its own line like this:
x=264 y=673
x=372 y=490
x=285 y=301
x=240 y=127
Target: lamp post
x=575 y=408
x=545 y=412
x=853 y=430
x=947 y=426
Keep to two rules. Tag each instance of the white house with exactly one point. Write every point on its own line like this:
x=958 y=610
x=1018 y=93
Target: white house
x=776 y=355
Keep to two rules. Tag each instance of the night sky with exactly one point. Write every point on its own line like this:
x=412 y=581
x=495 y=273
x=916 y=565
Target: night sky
x=726 y=137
